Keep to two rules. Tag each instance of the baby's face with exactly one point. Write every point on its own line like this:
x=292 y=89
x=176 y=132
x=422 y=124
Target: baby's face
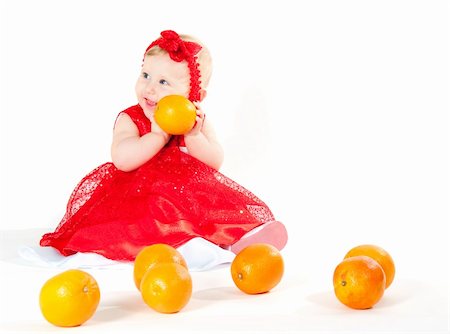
x=161 y=76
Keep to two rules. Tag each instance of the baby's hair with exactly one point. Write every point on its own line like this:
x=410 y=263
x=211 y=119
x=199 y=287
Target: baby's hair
x=204 y=58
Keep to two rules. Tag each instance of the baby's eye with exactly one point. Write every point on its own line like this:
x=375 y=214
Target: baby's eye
x=145 y=75
x=163 y=82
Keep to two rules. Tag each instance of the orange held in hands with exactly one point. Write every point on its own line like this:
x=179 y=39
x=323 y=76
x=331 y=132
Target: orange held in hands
x=175 y=114
x=359 y=282
x=258 y=268
x=70 y=298
x=152 y=255
x=378 y=254
x=166 y=287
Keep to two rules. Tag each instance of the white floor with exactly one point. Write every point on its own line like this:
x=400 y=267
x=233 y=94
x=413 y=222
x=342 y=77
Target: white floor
x=303 y=301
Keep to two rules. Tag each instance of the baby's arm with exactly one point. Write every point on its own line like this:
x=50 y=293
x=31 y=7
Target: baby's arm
x=129 y=150
x=202 y=143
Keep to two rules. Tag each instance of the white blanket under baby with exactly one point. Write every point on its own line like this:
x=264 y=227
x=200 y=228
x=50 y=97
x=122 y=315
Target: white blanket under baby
x=199 y=254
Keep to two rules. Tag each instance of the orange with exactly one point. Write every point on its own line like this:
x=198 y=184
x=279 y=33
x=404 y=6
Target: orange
x=175 y=114
x=359 y=282
x=154 y=254
x=166 y=287
x=70 y=298
x=258 y=268
x=379 y=255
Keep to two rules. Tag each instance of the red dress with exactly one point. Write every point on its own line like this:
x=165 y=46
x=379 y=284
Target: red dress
x=170 y=199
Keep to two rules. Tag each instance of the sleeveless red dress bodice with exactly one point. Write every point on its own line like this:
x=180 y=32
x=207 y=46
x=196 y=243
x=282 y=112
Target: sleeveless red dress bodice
x=170 y=199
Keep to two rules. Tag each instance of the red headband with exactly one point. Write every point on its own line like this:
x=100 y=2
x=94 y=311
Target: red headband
x=178 y=51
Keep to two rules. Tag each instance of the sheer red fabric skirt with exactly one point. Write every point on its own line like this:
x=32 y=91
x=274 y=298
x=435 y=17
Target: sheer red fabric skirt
x=170 y=199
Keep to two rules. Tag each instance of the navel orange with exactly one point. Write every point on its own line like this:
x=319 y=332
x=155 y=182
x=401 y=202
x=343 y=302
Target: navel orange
x=359 y=282
x=258 y=268
x=175 y=114
x=166 y=287
x=154 y=254
x=378 y=254
x=69 y=299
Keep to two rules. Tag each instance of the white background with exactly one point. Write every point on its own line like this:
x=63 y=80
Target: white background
x=335 y=113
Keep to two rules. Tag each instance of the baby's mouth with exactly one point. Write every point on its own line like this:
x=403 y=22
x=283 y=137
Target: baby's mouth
x=149 y=103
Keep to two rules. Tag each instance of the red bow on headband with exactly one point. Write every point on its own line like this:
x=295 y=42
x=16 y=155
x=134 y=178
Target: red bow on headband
x=178 y=49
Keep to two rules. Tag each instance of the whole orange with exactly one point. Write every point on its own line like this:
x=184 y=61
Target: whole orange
x=378 y=254
x=154 y=254
x=258 y=268
x=70 y=298
x=166 y=287
x=359 y=282
x=175 y=114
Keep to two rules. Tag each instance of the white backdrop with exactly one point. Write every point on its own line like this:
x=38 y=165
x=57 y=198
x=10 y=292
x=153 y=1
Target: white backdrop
x=333 y=112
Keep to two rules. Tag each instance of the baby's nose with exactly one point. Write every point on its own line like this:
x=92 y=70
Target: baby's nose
x=150 y=88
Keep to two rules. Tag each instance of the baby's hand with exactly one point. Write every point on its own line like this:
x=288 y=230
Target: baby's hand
x=199 y=120
x=157 y=130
